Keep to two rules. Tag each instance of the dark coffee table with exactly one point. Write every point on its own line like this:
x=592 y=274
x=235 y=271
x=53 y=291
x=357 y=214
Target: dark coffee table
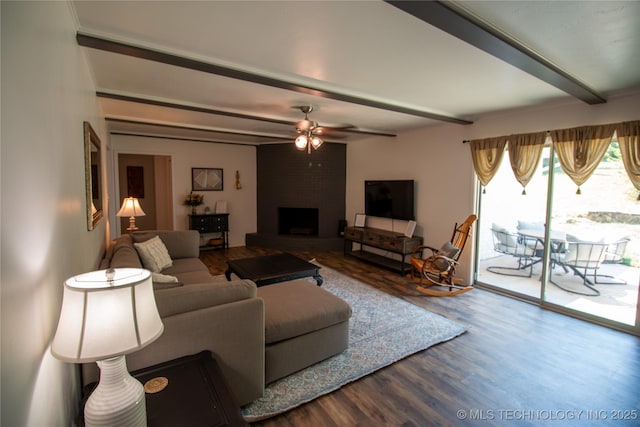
x=269 y=269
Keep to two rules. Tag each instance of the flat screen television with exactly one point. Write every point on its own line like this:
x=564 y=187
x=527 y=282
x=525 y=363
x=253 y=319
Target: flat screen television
x=389 y=199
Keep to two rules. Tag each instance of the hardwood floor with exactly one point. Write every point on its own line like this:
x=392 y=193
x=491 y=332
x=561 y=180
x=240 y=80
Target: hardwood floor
x=516 y=365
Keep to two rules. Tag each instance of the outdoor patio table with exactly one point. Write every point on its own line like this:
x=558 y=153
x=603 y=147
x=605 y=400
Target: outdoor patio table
x=538 y=233
x=558 y=238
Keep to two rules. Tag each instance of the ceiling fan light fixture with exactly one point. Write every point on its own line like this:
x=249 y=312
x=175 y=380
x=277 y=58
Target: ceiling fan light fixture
x=301 y=142
x=316 y=142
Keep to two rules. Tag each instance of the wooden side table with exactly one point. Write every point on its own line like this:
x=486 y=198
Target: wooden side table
x=196 y=394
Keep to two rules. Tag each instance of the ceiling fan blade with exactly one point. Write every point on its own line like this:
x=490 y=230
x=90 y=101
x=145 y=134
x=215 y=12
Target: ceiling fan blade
x=323 y=130
x=324 y=133
x=314 y=128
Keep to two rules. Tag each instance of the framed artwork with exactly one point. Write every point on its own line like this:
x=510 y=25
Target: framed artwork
x=135 y=181
x=221 y=206
x=206 y=179
x=411 y=226
x=361 y=220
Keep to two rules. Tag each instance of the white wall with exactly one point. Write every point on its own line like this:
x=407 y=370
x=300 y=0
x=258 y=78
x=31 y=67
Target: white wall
x=241 y=204
x=441 y=165
x=47 y=93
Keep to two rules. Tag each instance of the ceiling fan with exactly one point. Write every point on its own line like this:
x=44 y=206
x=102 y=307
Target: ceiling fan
x=309 y=131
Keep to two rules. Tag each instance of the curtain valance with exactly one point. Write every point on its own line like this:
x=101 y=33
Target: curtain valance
x=629 y=141
x=487 y=155
x=579 y=151
x=525 y=151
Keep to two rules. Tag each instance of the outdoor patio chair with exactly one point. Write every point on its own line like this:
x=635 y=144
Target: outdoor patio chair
x=615 y=251
x=523 y=248
x=436 y=273
x=584 y=259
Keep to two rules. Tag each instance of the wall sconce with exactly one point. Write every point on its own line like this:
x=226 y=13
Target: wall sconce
x=105 y=315
x=131 y=208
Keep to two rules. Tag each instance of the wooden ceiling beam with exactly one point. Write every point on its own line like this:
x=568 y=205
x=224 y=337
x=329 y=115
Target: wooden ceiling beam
x=167 y=104
x=455 y=21
x=107 y=45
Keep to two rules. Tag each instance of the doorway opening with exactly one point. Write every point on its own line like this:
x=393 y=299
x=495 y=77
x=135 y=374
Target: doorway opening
x=148 y=178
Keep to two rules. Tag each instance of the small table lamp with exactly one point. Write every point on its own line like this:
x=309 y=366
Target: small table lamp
x=131 y=208
x=105 y=315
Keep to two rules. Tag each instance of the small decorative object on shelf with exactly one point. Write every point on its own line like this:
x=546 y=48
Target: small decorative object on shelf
x=193 y=200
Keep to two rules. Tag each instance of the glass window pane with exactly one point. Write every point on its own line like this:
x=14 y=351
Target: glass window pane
x=597 y=272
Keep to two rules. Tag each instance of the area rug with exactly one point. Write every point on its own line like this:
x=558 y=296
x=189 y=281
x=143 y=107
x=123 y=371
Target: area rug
x=383 y=329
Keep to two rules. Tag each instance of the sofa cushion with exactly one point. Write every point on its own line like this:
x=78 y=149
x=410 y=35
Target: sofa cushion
x=124 y=254
x=298 y=307
x=189 y=298
x=154 y=254
x=195 y=277
x=180 y=244
x=185 y=265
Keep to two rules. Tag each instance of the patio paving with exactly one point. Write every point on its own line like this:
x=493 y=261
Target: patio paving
x=615 y=302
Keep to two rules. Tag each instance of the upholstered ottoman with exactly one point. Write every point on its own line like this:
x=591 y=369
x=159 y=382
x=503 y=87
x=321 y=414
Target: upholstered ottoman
x=304 y=324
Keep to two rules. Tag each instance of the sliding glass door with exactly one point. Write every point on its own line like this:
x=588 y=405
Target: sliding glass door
x=577 y=253
x=507 y=261
x=597 y=271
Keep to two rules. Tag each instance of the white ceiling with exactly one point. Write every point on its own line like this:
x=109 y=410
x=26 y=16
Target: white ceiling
x=365 y=59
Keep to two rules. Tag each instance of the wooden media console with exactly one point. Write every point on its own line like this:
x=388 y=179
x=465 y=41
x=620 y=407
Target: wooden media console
x=390 y=241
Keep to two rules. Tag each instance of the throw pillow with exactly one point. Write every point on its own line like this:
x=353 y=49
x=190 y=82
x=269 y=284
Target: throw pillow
x=164 y=281
x=154 y=254
x=448 y=250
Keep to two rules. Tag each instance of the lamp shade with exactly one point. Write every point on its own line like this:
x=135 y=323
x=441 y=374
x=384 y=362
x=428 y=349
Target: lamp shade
x=301 y=142
x=106 y=313
x=316 y=142
x=130 y=207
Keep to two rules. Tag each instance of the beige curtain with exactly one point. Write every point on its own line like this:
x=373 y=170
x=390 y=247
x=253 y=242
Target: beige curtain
x=525 y=151
x=629 y=141
x=581 y=149
x=487 y=155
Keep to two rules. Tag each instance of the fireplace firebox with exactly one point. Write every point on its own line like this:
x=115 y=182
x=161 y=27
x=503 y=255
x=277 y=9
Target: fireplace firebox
x=298 y=221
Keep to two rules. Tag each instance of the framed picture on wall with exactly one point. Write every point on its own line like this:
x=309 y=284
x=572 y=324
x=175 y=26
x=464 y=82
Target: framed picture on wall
x=206 y=179
x=135 y=182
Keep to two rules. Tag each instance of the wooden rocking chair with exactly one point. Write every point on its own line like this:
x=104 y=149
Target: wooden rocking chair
x=436 y=273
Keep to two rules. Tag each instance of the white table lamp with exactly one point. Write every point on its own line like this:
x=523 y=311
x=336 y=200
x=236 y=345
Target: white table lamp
x=131 y=208
x=105 y=315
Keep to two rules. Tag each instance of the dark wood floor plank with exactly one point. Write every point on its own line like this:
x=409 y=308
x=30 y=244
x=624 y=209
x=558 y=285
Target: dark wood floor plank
x=516 y=365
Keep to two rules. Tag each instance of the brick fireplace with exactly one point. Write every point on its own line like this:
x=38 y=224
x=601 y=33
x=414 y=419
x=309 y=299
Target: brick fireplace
x=296 y=184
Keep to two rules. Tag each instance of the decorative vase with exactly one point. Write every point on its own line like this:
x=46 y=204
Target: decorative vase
x=193 y=210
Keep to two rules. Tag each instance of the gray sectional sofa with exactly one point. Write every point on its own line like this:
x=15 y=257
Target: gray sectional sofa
x=258 y=335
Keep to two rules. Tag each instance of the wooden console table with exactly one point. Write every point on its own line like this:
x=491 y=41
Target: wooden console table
x=212 y=223
x=390 y=241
